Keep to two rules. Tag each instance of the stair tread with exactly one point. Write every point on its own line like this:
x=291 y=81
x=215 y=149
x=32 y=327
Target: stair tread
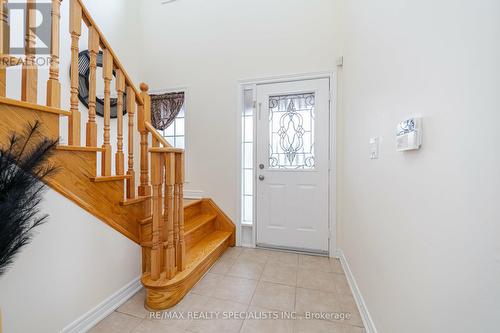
x=109 y=178
x=34 y=106
x=78 y=148
x=134 y=201
x=194 y=256
x=197 y=221
x=204 y=247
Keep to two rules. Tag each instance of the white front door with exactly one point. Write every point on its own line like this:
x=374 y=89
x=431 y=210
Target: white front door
x=292 y=168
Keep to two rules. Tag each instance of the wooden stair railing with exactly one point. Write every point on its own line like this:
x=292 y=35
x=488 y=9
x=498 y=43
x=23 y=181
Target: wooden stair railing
x=168 y=246
x=111 y=65
x=152 y=213
x=168 y=251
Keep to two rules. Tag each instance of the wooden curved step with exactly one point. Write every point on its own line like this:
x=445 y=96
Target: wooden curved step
x=163 y=293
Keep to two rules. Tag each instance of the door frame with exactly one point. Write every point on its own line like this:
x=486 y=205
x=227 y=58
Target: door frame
x=332 y=174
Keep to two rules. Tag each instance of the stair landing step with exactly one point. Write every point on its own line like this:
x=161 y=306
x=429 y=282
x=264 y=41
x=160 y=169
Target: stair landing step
x=194 y=258
x=197 y=222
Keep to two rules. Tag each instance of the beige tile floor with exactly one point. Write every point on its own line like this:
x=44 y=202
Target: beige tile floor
x=258 y=282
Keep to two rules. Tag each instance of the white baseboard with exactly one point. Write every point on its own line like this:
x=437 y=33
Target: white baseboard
x=365 y=314
x=193 y=194
x=101 y=311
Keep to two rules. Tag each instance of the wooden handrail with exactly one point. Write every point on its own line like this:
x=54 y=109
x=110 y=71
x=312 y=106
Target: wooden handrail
x=165 y=150
x=157 y=135
x=89 y=22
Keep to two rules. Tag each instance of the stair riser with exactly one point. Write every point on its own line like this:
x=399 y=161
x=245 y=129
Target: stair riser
x=195 y=236
x=14 y=119
x=191 y=211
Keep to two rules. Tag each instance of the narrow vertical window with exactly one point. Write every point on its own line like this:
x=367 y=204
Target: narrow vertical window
x=247 y=123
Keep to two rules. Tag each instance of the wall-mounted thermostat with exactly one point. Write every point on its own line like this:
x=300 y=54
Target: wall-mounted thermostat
x=409 y=134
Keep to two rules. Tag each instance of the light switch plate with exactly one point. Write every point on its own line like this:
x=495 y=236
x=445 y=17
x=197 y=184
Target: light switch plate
x=374 y=147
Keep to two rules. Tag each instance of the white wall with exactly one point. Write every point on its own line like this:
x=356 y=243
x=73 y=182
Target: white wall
x=207 y=46
x=420 y=229
x=74 y=263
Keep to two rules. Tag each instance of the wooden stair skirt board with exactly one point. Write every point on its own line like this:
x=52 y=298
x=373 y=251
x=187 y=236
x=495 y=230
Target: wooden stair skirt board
x=208 y=233
x=78 y=169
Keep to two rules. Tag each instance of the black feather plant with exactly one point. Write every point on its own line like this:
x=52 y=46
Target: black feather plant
x=24 y=165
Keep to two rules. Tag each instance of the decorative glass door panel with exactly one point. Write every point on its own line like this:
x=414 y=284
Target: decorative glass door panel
x=291 y=131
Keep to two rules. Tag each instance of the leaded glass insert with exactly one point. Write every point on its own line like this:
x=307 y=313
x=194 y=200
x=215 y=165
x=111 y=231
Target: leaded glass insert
x=291 y=131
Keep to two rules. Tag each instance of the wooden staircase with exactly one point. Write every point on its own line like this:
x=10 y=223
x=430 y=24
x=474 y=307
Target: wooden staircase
x=180 y=239
x=207 y=233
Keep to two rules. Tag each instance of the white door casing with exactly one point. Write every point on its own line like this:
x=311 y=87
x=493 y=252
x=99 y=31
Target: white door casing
x=292 y=162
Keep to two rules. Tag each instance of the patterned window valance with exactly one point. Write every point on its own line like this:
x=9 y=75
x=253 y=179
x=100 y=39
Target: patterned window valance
x=164 y=109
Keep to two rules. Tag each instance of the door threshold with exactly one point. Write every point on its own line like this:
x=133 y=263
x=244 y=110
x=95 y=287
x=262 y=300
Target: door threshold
x=292 y=250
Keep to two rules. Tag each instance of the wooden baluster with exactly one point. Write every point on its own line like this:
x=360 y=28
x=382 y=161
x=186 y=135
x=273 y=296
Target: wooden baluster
x=144 y=115
x=169 y=214
x=131 y=133
x=157 y=245
x=107 y=74
x=53 y=85
x=4 y=46
x=179 y=179
x=29 y=69
x=176 y=215
x=91 y=137
x=120 y=88
x=75 y=29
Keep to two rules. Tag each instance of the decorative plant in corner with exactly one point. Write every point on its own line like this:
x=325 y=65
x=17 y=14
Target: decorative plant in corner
x=24 y=164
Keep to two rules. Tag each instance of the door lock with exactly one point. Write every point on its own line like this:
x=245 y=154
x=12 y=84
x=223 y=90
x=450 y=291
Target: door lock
x=261 y=166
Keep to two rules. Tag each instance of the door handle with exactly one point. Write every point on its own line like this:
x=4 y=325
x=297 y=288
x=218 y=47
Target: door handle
x=261 y=178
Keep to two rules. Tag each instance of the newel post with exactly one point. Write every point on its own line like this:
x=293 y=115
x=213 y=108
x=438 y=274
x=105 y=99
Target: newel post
x=144 y=114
